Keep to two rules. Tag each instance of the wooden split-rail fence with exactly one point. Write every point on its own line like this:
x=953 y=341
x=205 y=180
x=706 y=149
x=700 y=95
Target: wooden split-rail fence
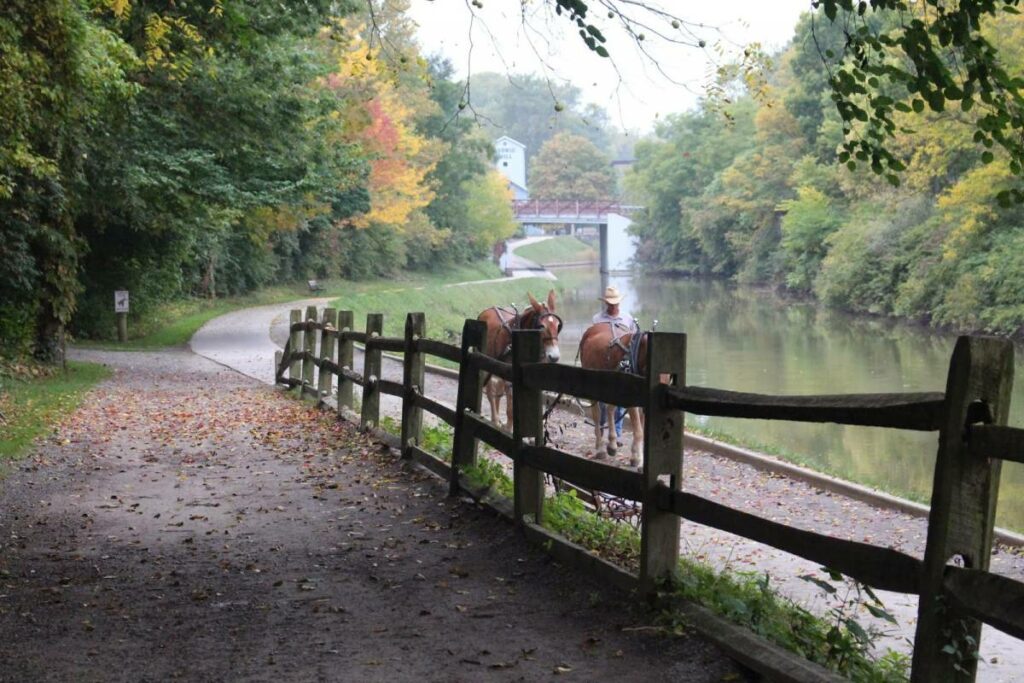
x=957 y=592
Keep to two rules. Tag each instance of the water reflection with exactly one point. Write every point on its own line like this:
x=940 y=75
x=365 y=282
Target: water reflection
x=745 y=339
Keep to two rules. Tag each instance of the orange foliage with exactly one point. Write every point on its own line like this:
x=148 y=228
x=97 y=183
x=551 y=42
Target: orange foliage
x=379 y=119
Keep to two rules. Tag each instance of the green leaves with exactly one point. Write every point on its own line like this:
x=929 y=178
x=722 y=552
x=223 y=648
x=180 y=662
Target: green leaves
x=935 y=57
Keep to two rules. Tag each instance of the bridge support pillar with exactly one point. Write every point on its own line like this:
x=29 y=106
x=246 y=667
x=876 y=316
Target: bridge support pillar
x=603 y=232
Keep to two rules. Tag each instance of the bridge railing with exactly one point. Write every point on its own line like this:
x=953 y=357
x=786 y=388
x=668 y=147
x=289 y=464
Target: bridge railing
x=569 y=208
x=957 y=592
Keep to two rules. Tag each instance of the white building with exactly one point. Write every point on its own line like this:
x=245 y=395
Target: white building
x=510 y=160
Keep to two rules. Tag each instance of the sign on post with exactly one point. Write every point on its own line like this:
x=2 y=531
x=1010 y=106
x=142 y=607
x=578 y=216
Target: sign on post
x=121 y=309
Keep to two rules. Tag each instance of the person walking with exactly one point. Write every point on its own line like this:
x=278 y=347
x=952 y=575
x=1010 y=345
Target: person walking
x=611 y=312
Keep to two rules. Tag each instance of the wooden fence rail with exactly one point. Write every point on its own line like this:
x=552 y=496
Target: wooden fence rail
x=969 y=417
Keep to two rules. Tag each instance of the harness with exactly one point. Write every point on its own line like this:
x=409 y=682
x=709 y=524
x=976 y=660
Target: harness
x=631 y=358
x=511 y=319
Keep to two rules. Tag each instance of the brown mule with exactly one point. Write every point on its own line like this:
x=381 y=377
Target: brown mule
x=603 y=347
x=501 y=322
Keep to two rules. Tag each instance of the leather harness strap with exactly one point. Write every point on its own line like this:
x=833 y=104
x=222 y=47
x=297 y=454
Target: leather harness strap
x=515 y=320
x=632 y=352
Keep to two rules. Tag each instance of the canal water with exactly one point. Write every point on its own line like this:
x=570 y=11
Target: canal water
x=745 y=339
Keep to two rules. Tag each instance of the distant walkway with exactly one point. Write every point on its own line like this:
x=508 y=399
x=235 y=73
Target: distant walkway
x=241 y=340
x=524 y=267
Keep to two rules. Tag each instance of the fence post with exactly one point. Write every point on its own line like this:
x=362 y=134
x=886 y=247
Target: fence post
x=371 y=373
x=345 y=352
x=294 y=344
x=527 y=427
x=325 y=380
x=309 y=347
x=663 y=458
x=474 y=336
x=963 y=506
x=412 y=383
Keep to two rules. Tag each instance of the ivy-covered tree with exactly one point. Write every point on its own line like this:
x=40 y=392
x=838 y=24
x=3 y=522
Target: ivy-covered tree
x=60 y=75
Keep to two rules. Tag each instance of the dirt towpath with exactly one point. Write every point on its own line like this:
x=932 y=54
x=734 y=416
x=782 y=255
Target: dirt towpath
x=191 y=524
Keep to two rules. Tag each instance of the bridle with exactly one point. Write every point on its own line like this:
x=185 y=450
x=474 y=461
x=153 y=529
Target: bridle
x=530 y=320
x=546 y=336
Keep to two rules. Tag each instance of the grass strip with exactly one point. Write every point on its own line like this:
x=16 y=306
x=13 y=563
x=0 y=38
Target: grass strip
x=32 y=406
x=561 y=249
x=838 y=643
x=446 y=307
x=174 y=323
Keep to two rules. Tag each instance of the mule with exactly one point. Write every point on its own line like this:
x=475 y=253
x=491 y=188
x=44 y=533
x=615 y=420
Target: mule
x=614 y=346
x=501 y=322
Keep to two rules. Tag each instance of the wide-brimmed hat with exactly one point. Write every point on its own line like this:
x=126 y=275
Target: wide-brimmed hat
x=611 y=296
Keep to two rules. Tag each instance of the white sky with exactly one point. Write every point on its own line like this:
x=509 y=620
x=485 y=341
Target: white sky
x=500 y=43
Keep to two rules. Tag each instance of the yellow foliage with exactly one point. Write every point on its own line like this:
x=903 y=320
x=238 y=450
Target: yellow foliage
x=120 y=8
x=381 y=119
x=489 y=207
x=970 y=205
x=168 y=42
x=264 y=221
x=776 y=124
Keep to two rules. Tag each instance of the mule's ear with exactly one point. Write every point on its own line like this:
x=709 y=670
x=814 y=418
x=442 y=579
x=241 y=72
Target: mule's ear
x=551 y=300
x=533 y=302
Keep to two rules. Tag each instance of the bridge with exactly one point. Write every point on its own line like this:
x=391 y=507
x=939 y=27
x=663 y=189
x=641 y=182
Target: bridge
x=574 y=211
x=611 y=218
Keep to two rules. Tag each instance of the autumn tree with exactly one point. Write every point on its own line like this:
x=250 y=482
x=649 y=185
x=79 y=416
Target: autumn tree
x=571 y=167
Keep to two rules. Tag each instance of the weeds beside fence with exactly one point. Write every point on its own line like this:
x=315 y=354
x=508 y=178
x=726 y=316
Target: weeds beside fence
x=956 y=591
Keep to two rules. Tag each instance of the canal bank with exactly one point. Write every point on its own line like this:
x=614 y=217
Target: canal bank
x=747 y=340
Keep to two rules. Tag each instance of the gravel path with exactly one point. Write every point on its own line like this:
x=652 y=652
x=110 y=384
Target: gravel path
x=189 y=523
x=781 y=499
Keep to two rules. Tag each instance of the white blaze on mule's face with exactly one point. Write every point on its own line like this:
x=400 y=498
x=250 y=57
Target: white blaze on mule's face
x=551 y=349
x=551 y=352
x=549 y=325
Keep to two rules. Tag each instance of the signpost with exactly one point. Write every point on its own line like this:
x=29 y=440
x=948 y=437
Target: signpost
x=121 y=309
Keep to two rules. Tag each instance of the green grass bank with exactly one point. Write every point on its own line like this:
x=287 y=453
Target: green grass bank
x=174 y=323
x=561 y=249
x=33 y=400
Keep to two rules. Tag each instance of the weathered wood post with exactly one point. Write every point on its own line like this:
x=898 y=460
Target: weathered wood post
x=527 y=427
x=294 y=344
x=325 y=380
x=371 y=373
x=345 y=354
x=412 y=382
x=963 y=506
x=474 y=336
x=663 y=459
x=309 y=364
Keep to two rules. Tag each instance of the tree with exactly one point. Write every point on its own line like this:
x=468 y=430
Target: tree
x=571 y=167
x=934 y=51
x=808 y=222
x=466 y=203
x=489 y=208
x=531 y=110
x=58 y=75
